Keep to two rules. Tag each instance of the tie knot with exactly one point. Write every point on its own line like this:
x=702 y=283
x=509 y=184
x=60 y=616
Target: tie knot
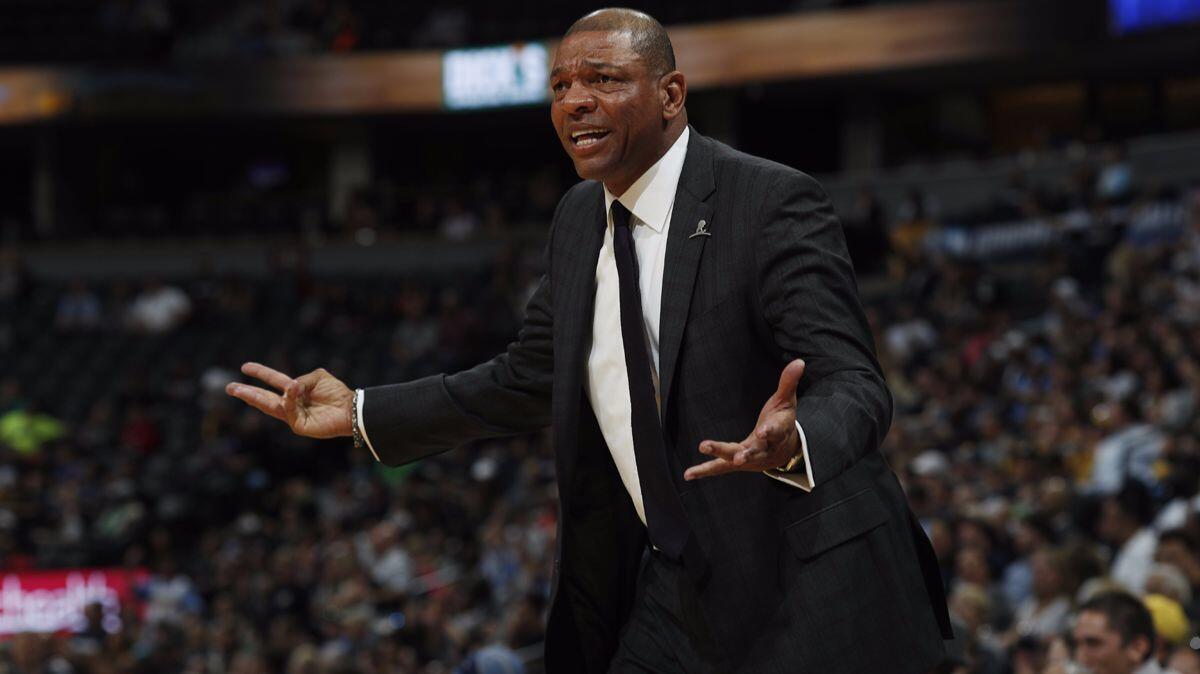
x=620 y=214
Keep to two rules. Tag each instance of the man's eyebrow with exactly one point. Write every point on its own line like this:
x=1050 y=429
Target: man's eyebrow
x=597 y=65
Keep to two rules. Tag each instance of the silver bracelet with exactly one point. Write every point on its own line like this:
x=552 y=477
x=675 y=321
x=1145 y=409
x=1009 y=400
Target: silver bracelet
x=354 y=430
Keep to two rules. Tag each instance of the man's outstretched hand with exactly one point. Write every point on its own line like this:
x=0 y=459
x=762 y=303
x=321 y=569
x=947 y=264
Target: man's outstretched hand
x=772 y=443
x=316 y=405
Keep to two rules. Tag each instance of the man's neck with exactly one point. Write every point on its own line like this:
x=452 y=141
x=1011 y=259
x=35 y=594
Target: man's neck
x=670 y=137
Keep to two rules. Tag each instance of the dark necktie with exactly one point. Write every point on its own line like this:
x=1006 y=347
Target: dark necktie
x=665 y=518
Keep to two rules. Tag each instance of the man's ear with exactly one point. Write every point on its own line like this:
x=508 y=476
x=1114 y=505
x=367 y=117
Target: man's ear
x=1139 y=648
x=672 y=91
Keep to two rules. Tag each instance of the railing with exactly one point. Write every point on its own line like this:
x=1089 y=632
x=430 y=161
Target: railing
x=1147 y=223
x=787 y=47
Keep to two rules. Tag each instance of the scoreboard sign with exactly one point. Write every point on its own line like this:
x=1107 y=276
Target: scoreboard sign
x=53 y=601
x=1134 y=15
x=488 y=77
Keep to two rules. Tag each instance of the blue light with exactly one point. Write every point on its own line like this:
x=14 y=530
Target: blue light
x=1133 y=15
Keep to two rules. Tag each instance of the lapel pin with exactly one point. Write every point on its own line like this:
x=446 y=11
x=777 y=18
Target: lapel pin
x=701 y=229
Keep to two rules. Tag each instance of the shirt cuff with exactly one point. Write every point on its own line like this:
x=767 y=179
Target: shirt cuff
x=361 y=396
x=803 y=480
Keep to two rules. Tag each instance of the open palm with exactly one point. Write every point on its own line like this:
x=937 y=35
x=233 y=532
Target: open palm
x=773 y=441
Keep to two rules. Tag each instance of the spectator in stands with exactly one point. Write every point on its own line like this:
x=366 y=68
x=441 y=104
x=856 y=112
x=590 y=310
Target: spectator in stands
x=458 y=223
x=1124 y=519
x=1114 y=182
x=1031 y=534
x=78 y=309
x=974 y=644
x=1168 y=581
x=1114 y=634
x=492 y=659
x=90 y=640
x=1171 y=627
x=159 y=308
x=1044 y=614
x=1131 y=446
x=387 y=561
x=866 y=233
x=140 y=433
x=1177 y=548
x=912 y=223
x=25 y=429
x=416 y=335
x=909 y=335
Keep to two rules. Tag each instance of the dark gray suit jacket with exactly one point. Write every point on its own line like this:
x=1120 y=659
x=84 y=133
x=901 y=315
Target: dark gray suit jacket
x=841 y=579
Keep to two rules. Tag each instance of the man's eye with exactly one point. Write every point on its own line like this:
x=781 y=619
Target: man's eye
x=605 y=79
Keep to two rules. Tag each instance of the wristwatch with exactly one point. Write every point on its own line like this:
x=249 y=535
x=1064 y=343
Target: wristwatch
x=793 y=463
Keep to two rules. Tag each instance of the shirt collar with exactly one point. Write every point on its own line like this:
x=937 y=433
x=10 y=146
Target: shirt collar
x=651 y=196
x=1149 y=667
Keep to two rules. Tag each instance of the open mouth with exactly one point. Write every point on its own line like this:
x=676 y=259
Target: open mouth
x=587 y=137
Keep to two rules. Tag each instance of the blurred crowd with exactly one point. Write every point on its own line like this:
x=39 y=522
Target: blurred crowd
x=266 y=552
x=1046 y=431
x=1046 y=423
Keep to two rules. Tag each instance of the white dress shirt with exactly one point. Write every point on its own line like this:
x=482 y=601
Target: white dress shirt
x=650 y=200
x=1132 y=563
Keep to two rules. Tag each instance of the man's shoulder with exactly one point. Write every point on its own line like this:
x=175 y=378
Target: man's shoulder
x=580 y=195
x=752 y=173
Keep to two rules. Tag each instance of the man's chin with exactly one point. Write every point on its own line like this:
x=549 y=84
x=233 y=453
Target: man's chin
x=590 y=169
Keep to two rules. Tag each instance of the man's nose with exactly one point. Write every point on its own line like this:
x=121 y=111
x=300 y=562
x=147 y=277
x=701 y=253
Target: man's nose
x=578 y=101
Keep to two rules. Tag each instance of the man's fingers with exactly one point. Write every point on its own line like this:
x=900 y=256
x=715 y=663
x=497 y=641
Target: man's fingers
x=766 y=439
x=749 y=455
x=260 y=399
x=308 y=381
x=273 y=377
x=722 y=450
x=770 y=433
x=709 y=468
x=790 y=379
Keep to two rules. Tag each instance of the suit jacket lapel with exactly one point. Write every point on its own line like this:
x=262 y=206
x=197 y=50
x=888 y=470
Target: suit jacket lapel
x=573 y=321
x=696 y=185
x=579 y=281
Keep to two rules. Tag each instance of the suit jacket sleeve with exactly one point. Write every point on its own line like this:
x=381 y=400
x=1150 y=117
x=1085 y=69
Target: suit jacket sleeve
x=810 y=300
x=507 y=395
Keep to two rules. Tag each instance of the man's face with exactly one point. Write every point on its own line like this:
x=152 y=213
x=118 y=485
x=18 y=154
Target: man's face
x=1100 y=649
x=1046 y=581
x=607 y=108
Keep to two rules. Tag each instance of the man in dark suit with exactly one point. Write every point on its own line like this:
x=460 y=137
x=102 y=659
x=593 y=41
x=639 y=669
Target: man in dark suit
x=686 y=283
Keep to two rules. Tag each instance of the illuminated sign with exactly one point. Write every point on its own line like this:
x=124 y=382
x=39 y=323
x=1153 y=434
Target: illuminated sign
x=1133 y=15
x=53 y=601
x=494 y=76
